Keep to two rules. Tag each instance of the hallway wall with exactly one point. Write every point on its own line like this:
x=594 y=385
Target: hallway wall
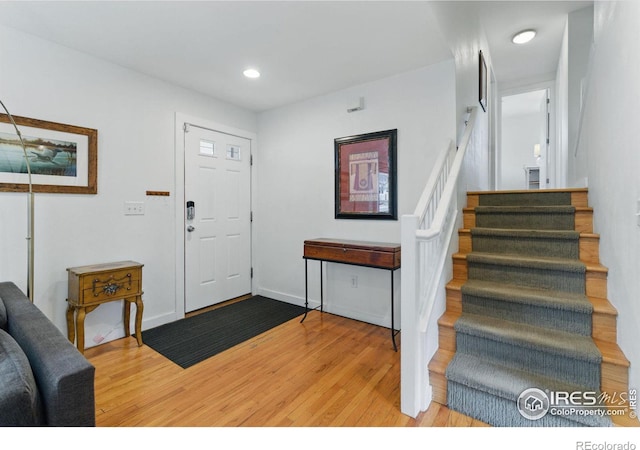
x=609 y=146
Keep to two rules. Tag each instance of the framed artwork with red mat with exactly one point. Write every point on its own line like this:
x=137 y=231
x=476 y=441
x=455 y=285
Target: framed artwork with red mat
x=366 y=176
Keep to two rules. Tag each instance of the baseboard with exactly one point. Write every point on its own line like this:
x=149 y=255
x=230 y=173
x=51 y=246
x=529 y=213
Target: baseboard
x=363 y=316
x=294 y=300
x=427 y=397
x=156 y=321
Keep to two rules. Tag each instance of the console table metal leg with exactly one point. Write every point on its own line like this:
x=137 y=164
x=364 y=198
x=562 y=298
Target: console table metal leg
x=321 y=289
x=306 y=292
x=393 y=328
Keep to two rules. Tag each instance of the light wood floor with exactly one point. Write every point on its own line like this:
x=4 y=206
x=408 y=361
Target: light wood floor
x=328 y=371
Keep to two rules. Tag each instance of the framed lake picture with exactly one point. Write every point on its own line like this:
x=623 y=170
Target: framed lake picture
x=366 y=176
x=62 y=158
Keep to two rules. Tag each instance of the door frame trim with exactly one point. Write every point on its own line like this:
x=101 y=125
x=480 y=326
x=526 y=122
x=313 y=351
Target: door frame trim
x=180 y=120
x=552 y=173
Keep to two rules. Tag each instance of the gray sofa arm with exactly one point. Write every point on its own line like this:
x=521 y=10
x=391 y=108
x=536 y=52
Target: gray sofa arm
x=64 y=377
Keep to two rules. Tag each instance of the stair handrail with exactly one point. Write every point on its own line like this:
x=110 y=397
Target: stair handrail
x=425 y=237
x=449 y=190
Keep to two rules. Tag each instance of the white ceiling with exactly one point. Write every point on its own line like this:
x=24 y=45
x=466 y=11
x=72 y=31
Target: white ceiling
x=503 y=19
x=303 y=48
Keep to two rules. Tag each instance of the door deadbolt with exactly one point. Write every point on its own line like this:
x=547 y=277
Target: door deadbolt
x=191 y=210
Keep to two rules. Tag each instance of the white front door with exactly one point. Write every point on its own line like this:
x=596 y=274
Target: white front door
x=217 y=217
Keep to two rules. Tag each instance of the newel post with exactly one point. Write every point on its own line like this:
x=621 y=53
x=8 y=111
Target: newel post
x=410 y=358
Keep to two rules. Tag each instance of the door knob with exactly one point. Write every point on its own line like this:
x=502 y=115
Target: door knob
x=190 y=228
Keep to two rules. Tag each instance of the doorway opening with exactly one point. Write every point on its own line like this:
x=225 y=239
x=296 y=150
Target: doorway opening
x=526 y=148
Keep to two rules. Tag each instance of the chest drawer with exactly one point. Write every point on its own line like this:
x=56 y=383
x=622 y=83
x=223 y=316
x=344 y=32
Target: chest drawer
x=117 y=284
x=121 y=278
x=354 y=252
x=90 y=284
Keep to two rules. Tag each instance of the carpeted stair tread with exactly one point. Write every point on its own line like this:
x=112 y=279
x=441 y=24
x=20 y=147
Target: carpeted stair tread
x=542 y=263
x=556 y=209
x=561 y=310
x=526 y=217
x=546 y=308
x=556 y=342
x=524 y=233
x=530 y=198
x=508 y=383
x=568 y=275
x=546 y=298
x=553 y=243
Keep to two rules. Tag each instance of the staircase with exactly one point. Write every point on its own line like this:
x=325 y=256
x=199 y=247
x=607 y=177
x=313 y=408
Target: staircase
x=527 y=308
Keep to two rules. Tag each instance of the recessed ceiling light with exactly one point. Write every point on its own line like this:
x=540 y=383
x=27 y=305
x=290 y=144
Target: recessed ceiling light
x=523 y=37
x=251 y=73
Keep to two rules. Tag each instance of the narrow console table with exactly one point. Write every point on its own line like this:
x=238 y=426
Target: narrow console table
x=91 y=286
x=378 y=255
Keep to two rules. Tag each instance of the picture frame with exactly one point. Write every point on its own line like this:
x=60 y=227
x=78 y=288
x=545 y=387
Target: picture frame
x=63 y=158
x=482 y=88
x=366 y=176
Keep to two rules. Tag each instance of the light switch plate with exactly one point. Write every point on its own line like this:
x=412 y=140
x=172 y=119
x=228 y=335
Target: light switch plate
x=133 y=208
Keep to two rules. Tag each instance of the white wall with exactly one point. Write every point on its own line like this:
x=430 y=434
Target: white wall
x=610 y=139
x=295 y=199
x=562 y=112
x=580 y=39
x=134 y=115
x=462 y=29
